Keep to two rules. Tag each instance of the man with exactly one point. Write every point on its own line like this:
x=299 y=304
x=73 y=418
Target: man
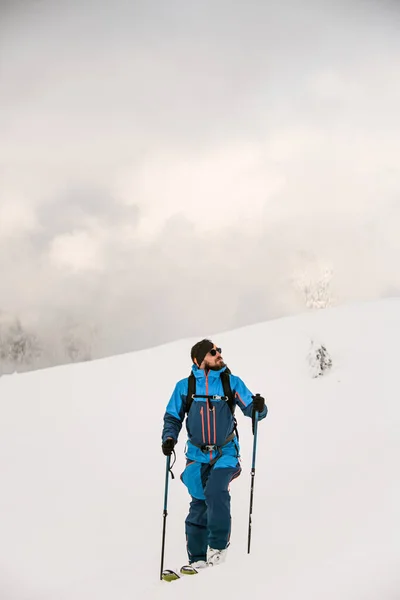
x=212 y=450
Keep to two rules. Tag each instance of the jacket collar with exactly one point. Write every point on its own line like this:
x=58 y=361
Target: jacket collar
x=200 y=373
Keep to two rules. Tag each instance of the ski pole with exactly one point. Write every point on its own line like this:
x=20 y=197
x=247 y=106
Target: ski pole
x=165 y=512
x=253 y=474
x=168 y=470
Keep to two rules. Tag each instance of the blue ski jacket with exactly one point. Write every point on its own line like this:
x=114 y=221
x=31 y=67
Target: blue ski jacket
x=210 y=422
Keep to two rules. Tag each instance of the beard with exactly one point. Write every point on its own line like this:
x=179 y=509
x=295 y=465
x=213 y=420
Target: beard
x=218 y=366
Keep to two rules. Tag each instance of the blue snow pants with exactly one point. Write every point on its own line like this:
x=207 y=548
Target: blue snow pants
x=209 y=520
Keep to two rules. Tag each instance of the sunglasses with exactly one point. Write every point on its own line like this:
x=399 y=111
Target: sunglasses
x=214 y=351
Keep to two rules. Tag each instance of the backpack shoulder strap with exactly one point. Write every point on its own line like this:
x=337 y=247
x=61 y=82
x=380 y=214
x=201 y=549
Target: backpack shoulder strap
x=191 y=391
x=226 y=383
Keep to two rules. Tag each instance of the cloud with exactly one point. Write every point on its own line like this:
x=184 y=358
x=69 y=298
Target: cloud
x=170 y=169
x=16 y=217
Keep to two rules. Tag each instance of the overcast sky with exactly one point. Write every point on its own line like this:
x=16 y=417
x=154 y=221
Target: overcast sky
x=175 y=168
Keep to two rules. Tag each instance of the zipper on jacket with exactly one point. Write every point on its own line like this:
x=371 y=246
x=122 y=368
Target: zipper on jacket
x=208 y=411
x=202 y=424
x=215 y=426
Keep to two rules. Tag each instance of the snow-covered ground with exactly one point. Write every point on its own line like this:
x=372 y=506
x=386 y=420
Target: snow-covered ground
x=82 y=473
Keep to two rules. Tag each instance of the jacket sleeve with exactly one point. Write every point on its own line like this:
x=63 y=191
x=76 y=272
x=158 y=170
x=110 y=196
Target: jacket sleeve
x=244 y=399
x=175 y=412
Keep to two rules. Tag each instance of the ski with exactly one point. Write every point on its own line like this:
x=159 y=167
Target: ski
x=169 y=575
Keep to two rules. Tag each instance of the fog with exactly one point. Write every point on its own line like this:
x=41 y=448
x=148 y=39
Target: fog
x=176 y=169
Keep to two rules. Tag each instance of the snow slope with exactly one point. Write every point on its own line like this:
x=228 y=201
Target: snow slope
x=82 y=473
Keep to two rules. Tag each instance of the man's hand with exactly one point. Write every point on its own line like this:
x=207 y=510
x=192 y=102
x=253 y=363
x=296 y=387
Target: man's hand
x=258 y=403
x=168 y=446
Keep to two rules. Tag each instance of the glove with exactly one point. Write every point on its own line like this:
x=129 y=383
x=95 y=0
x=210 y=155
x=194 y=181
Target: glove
x=258 y=403
x=168 y=446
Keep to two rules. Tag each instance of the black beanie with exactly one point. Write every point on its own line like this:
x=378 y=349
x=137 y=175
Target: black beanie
x=199 y=351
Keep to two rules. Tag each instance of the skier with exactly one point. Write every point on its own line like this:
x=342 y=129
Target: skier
x=208 y=397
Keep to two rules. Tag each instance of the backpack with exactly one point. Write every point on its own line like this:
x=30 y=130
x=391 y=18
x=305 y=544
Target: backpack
x=229 y=396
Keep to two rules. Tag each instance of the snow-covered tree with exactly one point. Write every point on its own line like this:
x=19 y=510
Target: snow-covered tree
x=61 y=341
x=77 y=341
x=319 y=359
x=314 y=284
x=19 y=347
